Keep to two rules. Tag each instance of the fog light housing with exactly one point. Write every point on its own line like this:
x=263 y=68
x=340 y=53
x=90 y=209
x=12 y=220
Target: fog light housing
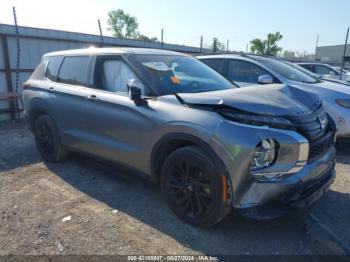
x=264 y=154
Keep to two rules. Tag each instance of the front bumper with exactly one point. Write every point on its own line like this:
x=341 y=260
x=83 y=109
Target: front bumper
x=299 y=188
x=308 y=193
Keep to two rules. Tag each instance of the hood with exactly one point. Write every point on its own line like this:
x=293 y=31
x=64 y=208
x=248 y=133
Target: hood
x=273 y=100
x=333 y=86
x=336 y=81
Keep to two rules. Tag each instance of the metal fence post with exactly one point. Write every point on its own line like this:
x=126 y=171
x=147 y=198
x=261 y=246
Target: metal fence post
x=6 y=56
x=343 y=62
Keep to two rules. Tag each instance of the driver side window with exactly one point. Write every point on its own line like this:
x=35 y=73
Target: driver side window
x=115 y=75
x=246 y=72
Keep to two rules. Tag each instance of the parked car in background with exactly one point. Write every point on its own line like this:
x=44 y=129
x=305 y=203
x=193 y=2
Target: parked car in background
x=326 y=71
x=344 y=70
x=248 y=70
x=315 y=76
x=176 y=121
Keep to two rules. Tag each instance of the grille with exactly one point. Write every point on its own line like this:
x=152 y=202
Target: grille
x=319 y=129
x=318 y=147
x=314 y=125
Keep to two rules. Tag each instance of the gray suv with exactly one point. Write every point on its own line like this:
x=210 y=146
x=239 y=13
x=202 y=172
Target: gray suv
x=176 y=121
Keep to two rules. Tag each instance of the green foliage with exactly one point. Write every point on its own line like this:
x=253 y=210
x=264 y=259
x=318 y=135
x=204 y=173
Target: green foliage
x=147 y=39
x=217 y=45
x=268 y=46
x=122 y=25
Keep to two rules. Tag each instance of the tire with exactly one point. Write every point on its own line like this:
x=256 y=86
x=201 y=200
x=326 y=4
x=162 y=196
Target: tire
x=47 y=140
x=195 y=195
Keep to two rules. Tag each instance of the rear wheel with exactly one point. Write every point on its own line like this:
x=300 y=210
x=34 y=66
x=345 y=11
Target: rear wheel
x=194 y=188
x=47 y=140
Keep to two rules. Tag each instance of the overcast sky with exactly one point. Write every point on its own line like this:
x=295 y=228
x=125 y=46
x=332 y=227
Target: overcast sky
x=184 y=21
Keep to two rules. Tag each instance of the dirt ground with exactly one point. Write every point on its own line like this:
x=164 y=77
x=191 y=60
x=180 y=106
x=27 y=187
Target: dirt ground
x=83 y=207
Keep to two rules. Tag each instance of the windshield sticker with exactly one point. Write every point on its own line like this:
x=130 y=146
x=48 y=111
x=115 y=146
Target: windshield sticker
x=175 y=80
x=159 y=66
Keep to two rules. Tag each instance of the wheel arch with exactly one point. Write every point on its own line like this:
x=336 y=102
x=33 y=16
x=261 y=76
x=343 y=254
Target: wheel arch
x=37 y=108
x=174 y=141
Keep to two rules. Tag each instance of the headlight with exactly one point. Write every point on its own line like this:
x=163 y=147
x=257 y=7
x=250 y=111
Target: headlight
x=264 y=154
x=343 y=102
x=274 y=121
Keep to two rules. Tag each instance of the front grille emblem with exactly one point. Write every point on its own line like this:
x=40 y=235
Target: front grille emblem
x=323 y=122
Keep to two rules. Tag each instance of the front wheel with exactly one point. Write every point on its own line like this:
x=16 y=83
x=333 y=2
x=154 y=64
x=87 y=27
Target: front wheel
x=195 y=190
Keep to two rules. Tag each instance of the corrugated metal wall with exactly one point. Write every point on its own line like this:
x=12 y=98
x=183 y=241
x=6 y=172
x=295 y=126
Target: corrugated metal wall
x=35 y=42
x=332 y=54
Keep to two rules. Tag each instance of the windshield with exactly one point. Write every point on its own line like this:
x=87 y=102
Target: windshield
x=286 y=71
x=302 y=69
x=169 y=74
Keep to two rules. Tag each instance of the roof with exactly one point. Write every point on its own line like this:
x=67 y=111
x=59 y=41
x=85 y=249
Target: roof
x=243 y=55
x=220 y=56
x=115 y=50
x=311 y=63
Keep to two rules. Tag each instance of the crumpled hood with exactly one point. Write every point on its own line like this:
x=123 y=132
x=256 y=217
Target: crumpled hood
x=274 y=100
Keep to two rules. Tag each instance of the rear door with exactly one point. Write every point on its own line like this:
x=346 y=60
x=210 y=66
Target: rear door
x=68 y=88
x=117 y=128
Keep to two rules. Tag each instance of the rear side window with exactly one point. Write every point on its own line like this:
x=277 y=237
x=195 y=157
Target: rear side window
x=74 y=70
x=216 y=64
x=53 y=67
x=246 y=72
x=308 y=67
x=324 y=70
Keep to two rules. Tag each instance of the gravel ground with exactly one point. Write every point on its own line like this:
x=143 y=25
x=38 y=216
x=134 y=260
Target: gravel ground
x=82 y=207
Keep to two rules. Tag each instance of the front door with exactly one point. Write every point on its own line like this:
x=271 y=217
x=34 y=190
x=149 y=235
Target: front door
x=118 y=129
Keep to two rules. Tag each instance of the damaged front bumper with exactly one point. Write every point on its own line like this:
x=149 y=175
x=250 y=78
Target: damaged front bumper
x=302 y=195
x=302 y=181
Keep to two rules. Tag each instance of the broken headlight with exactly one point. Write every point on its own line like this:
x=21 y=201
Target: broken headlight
x=264 y=154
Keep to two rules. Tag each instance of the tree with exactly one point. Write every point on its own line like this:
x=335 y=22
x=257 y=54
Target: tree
x=147 y=39
x=217 y=45
x=122 y=25
x=268 y=46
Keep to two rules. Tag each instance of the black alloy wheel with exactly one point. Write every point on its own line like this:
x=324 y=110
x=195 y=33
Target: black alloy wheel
x=195 y=189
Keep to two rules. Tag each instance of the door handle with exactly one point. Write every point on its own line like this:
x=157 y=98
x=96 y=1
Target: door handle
x=51 y=89
x=92 y=98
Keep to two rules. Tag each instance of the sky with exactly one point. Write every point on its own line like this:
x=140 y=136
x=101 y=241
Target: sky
x=185 y=21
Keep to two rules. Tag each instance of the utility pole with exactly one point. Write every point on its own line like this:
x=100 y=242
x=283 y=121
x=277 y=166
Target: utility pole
x=228 y=41
x=247 y=48
x=316 y=45
x=162 y=38
x=101 y=35
x=201 y=45
x=343 y=62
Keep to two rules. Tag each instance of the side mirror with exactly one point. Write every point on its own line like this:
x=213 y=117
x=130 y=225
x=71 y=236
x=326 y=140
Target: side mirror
x=135 y=93
x=265 y=79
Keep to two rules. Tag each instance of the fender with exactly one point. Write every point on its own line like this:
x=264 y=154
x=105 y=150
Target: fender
x=183 y=140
